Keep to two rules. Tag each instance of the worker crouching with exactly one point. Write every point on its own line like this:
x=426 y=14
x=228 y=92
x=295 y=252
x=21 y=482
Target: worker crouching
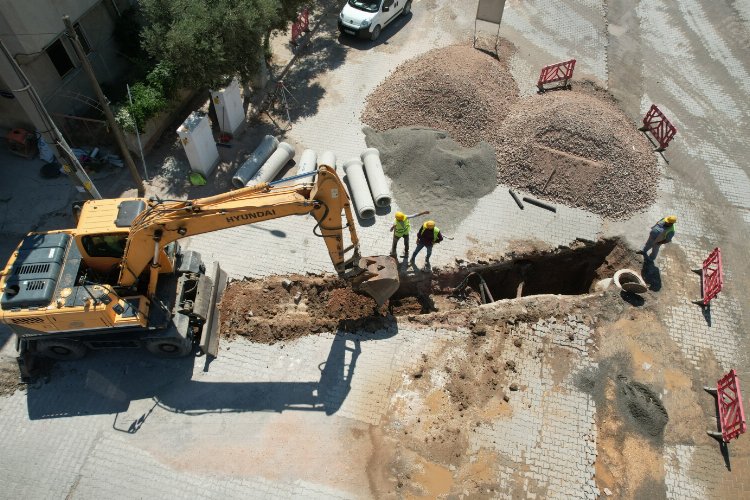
x=427 y=236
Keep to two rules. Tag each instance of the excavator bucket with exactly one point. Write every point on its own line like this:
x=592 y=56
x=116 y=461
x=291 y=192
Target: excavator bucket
x=379 y=278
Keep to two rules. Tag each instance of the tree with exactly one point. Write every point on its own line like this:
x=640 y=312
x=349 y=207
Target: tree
x=207 y=42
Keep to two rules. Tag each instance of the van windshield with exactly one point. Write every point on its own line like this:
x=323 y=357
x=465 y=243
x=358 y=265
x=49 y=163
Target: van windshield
x=365 y=5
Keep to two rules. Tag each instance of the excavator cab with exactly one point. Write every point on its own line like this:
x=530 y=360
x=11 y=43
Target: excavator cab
x=379 y=277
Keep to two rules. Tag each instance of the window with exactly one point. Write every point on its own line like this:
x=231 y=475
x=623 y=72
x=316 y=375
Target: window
x=82 y=38
x=59 y=57
x=105 y=245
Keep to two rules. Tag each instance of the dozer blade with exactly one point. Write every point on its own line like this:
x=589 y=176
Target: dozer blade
x=209 y=343
x=379 y=278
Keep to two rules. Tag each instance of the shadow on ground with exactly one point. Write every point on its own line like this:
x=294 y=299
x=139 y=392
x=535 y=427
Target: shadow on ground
x=107 y=383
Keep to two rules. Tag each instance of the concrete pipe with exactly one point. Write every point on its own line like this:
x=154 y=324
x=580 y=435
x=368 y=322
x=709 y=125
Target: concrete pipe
x=307 y=163
x=375 y=176
x=355 y=176
x=630 y=281
x=273 y=164
x=327 y=159
x=264 y=150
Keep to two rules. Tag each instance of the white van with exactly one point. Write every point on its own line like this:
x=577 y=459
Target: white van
x=367 y=18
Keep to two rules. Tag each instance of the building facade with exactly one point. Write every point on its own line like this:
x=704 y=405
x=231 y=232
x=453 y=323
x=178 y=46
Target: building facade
x=34 y=33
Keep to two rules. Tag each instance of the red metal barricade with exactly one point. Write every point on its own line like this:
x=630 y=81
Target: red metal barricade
x=560 y=72
x=300 y=25
x=712 y=276
x=731 y=411
x=661 y=128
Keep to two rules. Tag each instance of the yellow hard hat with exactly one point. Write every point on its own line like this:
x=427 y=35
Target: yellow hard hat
x=670 y=219
x=400 y=216
x=429 y=224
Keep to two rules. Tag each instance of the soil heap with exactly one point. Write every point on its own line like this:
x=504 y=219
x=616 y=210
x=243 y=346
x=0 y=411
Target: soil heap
x=577 y=148
x=573 y=147
x=458 y=89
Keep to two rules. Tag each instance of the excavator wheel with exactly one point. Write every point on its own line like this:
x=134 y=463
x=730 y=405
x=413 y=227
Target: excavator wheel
x=379 y=278
x=63 y=350
x=170 y=347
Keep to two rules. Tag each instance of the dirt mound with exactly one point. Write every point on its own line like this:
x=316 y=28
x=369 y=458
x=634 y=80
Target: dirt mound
x=457 y=88
x=642 y=406
x=281 y=308
x=432 y=172
x=577 y=148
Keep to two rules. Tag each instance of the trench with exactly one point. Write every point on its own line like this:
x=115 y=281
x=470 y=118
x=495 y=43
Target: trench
x=278 y=308
x=566 y=271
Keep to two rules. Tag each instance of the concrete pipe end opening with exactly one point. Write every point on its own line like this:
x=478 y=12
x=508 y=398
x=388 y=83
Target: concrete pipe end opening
x=367 y=213
x=383 y=201
x=630 y=281
x=238 y=182
x=287 y=147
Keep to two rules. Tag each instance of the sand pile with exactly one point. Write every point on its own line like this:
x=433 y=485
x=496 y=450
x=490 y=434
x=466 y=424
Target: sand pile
x=576 y=148
x=430 y=171
x=458 y=89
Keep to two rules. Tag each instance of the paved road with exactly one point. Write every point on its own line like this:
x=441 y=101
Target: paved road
x=271 y=422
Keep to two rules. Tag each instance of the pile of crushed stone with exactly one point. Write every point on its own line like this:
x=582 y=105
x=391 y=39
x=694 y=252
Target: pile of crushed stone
x=577 y=148
x=430 y=171
x=572 y=147
x=458 y=89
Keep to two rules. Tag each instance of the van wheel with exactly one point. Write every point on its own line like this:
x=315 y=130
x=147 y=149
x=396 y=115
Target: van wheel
x=375 y=33
x=63 y=350
x=407 y=9
x=170 y=347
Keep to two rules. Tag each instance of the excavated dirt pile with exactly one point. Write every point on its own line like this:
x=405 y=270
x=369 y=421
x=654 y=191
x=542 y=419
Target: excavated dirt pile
x=574 y=147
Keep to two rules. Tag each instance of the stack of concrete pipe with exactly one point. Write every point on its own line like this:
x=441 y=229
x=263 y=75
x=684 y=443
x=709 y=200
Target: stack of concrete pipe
x=248 y=169
x=360 y=172
x=273 y=165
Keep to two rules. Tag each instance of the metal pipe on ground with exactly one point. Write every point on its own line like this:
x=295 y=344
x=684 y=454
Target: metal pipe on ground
x=539 y=204
x=264 y=151
x=375 y=176
x=355 y=176
x=273 y=164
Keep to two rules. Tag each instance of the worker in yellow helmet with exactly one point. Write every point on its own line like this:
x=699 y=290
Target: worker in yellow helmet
x=400 y=229
x=662 y=232
x=427 y=236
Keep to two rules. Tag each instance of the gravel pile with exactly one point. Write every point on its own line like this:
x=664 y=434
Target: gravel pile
x=430 y=171
x=573 y=147
x=458 y=89
x=577 y=148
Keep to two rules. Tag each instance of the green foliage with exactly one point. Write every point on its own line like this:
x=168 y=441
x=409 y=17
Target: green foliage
x=150 y=97
x=206 y=42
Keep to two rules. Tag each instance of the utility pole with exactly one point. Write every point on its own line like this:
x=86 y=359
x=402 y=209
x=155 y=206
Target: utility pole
x=86 y=65
x=34 y=107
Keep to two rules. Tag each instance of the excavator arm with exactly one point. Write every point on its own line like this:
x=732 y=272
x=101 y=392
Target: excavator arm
x=326 y=199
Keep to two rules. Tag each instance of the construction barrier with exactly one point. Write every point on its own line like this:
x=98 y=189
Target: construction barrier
x=661 y=128
x=560 y=72
x=712 y=277
x=731 y=411
x=300 y=25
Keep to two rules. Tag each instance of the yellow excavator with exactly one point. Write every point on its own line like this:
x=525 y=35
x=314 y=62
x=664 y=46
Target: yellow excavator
x=120 y=278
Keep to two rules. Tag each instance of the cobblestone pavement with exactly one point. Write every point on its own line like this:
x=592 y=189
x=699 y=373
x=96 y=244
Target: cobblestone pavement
x=292 y=421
